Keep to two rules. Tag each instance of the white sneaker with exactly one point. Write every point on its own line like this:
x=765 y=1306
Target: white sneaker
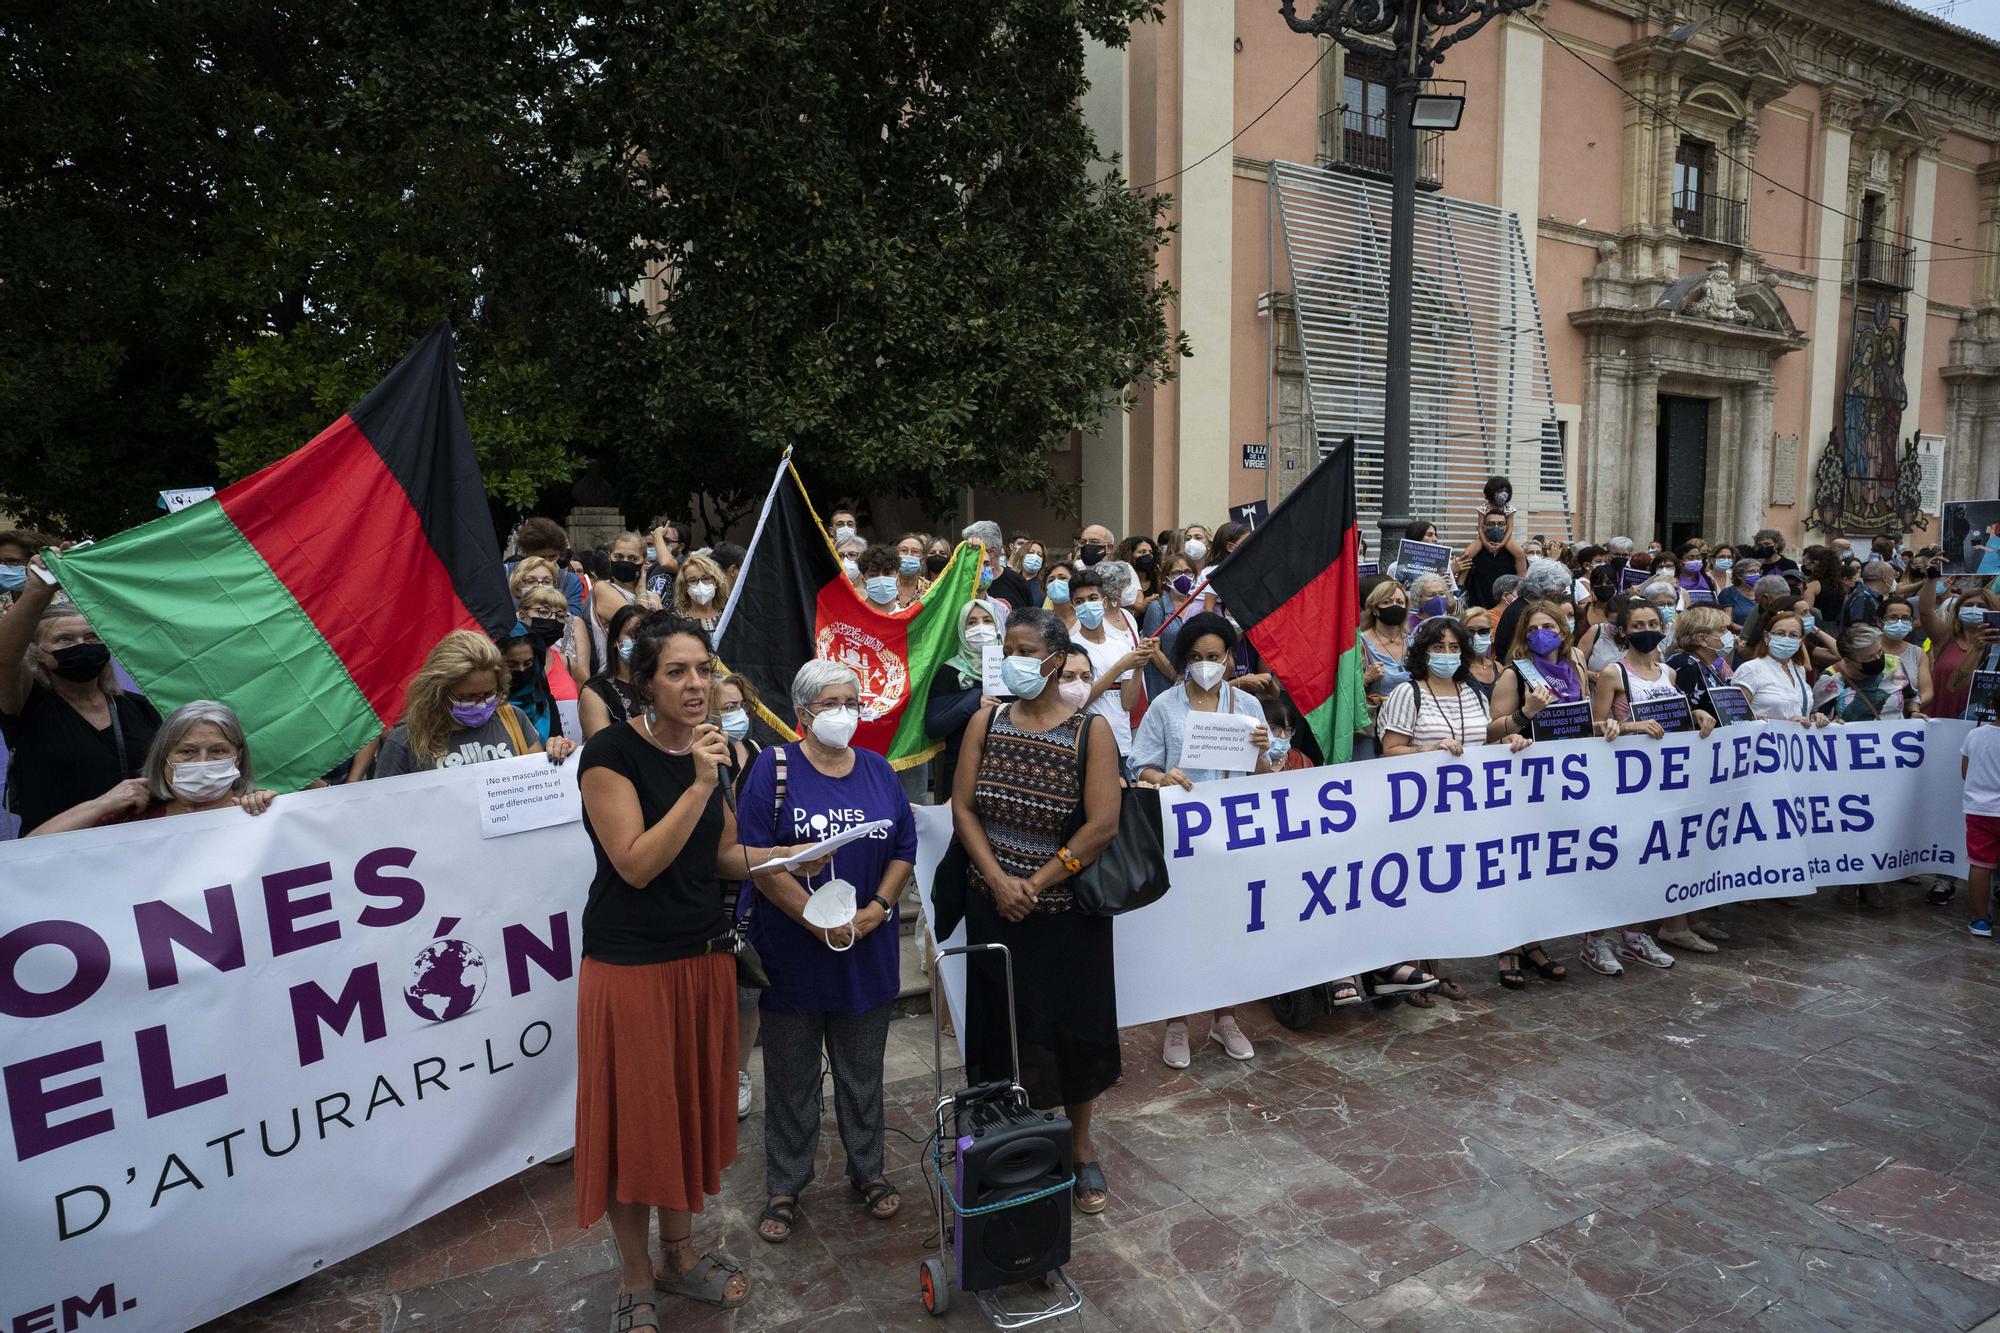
x=742 y=1094
x=1639 y=947
x=1687 y=939
x=1598 y=957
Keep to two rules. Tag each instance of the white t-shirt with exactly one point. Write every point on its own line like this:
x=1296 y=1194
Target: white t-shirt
x=1778 y=691
x=1982 y=770
x=1411 y=711
x=1118 y=641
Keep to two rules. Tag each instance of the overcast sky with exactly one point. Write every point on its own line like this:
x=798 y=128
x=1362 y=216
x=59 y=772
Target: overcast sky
x=1982 y=16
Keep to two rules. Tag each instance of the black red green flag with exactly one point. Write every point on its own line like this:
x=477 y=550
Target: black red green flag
x=306 y=595
x=792 y=602
x=1294 y=584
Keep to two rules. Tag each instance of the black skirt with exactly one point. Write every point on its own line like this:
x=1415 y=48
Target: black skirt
x=1065 y=996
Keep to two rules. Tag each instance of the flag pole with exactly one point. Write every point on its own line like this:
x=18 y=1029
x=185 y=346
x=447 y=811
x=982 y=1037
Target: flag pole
x=750 y=552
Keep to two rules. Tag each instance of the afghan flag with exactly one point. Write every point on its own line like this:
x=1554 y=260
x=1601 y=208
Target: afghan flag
x=1295 y=584
x=306 y=595
x=793 y=602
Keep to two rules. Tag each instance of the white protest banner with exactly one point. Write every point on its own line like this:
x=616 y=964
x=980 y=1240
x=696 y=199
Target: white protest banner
x=1219 y=741
x=237 y=1050
x=525 y=793
x=1286 y=880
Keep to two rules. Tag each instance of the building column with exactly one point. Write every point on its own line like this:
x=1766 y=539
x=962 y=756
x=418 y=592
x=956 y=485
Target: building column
x=1106 y=448
x=1839 y=108
x=1642 y=457
x=1521 y=125
x=1923 y=215
x=1208 y=110
x=1753 y=476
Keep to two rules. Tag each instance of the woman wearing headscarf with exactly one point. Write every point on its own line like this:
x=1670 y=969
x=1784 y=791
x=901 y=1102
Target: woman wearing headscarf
x=73 y=732
x=957 y=691
x=199 y=760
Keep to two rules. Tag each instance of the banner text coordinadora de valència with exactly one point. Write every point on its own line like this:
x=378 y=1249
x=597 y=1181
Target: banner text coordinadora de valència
x=1289 y=879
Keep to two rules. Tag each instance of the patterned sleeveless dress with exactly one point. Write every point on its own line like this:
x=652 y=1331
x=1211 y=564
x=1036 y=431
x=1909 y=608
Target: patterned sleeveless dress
x=1028 y=789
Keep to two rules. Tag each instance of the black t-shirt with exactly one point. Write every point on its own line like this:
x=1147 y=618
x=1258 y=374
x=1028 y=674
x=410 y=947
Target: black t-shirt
x=1486 y=567
x=59 y=760
x=1012 y=589
x=681 y=910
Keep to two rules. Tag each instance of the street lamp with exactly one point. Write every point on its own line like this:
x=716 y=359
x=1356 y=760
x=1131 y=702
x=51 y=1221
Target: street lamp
x=1419 y=33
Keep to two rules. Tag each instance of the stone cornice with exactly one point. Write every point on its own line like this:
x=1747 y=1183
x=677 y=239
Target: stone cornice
x=1651 y=321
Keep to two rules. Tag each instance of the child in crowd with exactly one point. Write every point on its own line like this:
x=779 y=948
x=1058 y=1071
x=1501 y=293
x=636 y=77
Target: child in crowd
x=1979 y=765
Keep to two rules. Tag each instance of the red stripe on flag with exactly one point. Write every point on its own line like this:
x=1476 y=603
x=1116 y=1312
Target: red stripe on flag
x=338 y=530
x=1302 y=641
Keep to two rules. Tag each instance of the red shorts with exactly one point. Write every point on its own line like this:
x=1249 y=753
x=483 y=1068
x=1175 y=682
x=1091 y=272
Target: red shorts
x=1982 y=840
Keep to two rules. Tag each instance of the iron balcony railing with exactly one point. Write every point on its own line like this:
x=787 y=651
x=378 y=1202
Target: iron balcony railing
x=1881 y=262
x=1709 y=217
x=1360 y=142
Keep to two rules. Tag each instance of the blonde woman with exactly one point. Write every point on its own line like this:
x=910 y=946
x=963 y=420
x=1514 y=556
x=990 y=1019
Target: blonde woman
x=198 y=761
x=1385 y=648
x=575 y=642
x=701 y=590
x=455 y=712
x=626 y=565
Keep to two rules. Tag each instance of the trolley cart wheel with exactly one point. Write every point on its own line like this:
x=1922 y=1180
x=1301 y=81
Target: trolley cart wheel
x=1295 y=1009
x=934 y=1285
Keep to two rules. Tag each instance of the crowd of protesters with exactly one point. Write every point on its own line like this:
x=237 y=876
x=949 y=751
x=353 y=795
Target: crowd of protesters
x=1109 y=645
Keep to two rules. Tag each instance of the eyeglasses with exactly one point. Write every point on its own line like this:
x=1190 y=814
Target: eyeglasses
x=470 y=699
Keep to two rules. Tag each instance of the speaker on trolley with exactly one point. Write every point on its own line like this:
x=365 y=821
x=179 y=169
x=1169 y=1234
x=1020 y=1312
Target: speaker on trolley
x=1007 y=1152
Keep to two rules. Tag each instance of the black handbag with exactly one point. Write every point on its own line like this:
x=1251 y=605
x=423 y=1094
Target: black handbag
x=1131 y=872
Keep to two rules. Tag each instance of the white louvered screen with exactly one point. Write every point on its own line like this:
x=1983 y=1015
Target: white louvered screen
x=1480 y=399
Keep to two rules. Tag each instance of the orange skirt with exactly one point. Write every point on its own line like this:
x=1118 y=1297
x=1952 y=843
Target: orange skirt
x=655 y=1083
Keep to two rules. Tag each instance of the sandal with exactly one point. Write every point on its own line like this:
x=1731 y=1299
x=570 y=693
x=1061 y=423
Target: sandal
x=876 y=1193
x=1090 y=1181
x=1510 y=971
x=624 y=1318
x=707 y=1282
x=1548 y=967
x=783 y=1211
x=1420 y=999
x=1347 y=990
x=1403 y=978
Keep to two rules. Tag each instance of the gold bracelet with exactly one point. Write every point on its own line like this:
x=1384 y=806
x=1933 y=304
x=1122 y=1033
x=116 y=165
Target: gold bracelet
x=1070 y=863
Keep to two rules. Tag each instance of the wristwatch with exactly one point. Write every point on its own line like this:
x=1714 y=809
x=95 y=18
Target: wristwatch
x=881 y=902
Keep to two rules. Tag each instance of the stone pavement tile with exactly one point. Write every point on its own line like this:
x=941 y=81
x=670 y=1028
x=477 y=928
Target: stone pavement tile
x=531 y=1214
x=1401 y=1154
x=1927 y=1214
x=1816 y=1158
x=1655 y=1271
x=1509 y=1116
x=1468 y=1292
x=1629 y=1172
x=1341 y=1238
x=567 y=1291
x=1804 y=1256
x=1502 y=1206
x=1219 y=1154
x=1281 y=1307
x=1907 y=1124
x=278 y=1314
x=1177 y=1269
x=1718 y=1122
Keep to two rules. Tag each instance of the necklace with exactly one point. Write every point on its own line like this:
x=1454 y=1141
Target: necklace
x=1459 y=733
x=646 y=721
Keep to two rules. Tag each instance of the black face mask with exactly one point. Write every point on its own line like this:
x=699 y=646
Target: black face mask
x=547 y=633
x=1869 y=670
x=1145 y=564
x=1495 y=534
x=81 y=661
x=934 y=564
x=625 y=571
x=1091 y=552
x=1392 y=615
x=1646 y=640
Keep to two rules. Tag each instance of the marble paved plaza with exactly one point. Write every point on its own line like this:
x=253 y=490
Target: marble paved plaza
x=1797 y=1133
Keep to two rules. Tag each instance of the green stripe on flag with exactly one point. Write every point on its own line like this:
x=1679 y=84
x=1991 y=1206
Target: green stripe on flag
x=931 y=639
x=1343 y=713
x=207 y=619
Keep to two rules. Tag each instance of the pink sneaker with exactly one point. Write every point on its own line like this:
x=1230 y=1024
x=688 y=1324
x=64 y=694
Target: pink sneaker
x=1232 y=1039
x=1174 y=1051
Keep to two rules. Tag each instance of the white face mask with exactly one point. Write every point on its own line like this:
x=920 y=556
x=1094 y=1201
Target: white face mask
x=981 y=635
x=203 y=780
x=831 y=907
x=834 y=728
x=701 y=592
x=849 y=568
x=1130 y=597
x=1194 y=549
x=1206 y=674
x=842 y=533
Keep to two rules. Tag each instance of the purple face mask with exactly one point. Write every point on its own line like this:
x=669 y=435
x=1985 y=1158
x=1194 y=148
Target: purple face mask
x=1433 y=606
x=1750 y=580
x=1182 y=584
x=474 y=715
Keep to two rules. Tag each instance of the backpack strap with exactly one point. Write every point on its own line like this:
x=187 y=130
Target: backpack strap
x=778 y=796
x=515 y=736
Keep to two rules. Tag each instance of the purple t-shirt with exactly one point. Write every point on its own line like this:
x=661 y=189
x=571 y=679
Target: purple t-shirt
x=806 y=976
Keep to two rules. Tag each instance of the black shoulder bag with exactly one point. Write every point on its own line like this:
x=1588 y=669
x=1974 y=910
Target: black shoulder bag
x=1131 y=872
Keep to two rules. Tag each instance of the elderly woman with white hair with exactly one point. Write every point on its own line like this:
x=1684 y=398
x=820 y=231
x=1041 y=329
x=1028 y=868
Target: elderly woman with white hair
x=995 y=578
x=199 y=760
x=831 y=985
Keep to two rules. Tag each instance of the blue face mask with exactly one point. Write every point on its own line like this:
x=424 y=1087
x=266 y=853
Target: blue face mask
x=1031 y=564
x=1445 y=665
x=1059 y=590
x=1807 y=622
x=985 y=575
x=1784 y=646
x=910 y=565
x=1897 y=629
x=1724 y=564
x=625 y=647
x=1280 y=747
x=735 y=724
x=12 y=577
x=1972 y=615
x=1482 y=644
x=1940 y=587
x=882 y=589
x=1090 y=615
x=1022 y=676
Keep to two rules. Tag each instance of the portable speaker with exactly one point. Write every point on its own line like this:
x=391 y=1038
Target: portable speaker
x=1006 y=1151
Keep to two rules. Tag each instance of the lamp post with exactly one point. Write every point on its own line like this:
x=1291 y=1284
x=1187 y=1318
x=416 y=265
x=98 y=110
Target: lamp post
x=1419 y=34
